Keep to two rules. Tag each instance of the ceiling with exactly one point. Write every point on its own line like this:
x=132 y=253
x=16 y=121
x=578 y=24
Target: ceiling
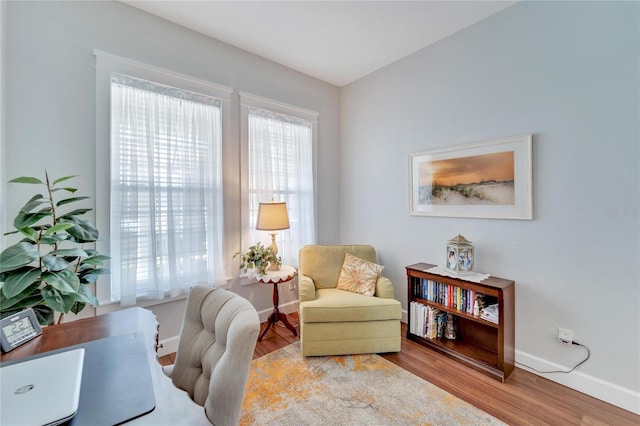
x=334 y=41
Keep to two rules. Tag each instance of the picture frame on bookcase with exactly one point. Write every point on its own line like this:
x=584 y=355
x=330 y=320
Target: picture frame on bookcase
x=488 y=179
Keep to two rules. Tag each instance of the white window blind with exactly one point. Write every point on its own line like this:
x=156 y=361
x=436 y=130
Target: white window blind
x=280 y=157
x=166 y=190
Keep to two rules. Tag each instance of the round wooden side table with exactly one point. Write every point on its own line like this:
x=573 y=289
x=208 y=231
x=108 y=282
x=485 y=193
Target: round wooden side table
x=286 y=273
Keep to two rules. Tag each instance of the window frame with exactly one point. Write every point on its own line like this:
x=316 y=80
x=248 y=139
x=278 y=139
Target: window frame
x=106 y=64
x=247 y=102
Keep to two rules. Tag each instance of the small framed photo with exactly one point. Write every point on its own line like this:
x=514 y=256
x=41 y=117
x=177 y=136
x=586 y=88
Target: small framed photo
x=489 y=179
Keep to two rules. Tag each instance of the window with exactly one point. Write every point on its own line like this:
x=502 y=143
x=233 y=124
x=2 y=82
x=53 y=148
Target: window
x=280 y=143
x=165 y=195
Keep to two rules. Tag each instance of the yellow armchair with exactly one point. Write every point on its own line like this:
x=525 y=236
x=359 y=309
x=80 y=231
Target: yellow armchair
x=339 y=322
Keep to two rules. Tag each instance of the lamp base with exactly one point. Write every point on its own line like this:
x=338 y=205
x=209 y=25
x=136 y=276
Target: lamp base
x=274 y=249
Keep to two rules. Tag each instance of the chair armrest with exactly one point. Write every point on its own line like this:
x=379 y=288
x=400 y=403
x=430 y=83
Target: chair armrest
x=384 y=288
x=306 y=288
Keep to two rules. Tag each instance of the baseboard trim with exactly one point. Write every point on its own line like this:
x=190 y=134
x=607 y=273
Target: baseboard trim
x=619 y=396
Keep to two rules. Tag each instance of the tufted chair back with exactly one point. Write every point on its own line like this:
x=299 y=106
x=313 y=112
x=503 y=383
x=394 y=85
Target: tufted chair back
x=215 y=349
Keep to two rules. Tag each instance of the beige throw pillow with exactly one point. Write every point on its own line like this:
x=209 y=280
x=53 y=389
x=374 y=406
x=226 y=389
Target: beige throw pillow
x=358 y=275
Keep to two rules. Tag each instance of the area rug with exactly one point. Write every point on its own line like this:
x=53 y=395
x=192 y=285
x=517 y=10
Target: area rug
x=286 y=389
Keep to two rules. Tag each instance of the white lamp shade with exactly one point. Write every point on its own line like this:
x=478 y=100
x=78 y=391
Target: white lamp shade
x=272 y=217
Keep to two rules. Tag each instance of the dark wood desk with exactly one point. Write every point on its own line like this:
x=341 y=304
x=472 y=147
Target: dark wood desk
x=173 y=406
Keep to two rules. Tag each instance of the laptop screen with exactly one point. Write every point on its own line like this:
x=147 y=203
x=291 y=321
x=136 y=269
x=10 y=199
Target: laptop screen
x=41 y=391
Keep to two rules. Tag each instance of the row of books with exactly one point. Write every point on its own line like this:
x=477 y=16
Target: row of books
x=445 y=294
x=427 y=321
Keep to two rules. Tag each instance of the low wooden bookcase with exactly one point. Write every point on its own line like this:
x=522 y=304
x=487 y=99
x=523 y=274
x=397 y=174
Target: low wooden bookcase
x=480 y=344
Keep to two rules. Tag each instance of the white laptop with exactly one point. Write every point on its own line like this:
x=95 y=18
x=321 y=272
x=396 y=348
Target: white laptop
x=41 y=391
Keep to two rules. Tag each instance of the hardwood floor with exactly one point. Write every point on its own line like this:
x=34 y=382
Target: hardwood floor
x=524 y=399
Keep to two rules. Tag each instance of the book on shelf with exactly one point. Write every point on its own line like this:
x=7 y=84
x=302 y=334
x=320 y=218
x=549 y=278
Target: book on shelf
x=440 y=323
x=427 y=321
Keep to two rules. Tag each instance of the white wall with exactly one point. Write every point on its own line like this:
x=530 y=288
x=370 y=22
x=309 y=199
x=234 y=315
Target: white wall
x=3 y=168
x=50 y=75
x=568 y=72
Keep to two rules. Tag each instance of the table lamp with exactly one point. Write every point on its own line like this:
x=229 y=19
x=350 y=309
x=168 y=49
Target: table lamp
x=273 y=216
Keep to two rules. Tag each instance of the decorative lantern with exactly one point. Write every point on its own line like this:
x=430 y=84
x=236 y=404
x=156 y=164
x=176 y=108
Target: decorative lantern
x=460 y=254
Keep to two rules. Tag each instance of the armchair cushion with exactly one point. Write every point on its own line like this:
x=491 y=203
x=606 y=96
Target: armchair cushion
x=333 y=305
x=358 y=275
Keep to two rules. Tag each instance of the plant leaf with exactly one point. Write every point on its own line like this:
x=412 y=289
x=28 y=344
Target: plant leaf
x=24 y=220
x=53 y=239
x=95 y=260
x=83 y=230
x=77 y=212
x=53 y=299
x=30 y=233
x=28 y=297
x=83 y=268
x=58 y=227
x=62 y=179
x=65 y=281
x=72 y=252
x=53 y=263
x=92 y=275
x=19 y=280
x=70 y=200
x=34 y=202
x=85 y=295
x=26 y=179
x=44 y=314
x=69 y=300
x=77 y=307
x=71 y=190
x=60 y=302
x=17 y=256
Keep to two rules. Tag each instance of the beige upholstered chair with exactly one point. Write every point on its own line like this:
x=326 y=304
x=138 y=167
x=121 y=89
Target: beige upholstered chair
x=338 y=322
x=215 y=349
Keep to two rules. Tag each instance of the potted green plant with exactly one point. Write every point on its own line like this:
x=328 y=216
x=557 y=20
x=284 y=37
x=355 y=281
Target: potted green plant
x=258 y=259
x=49 y=270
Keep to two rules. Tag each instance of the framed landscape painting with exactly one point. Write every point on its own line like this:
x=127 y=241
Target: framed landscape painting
x=489 y=179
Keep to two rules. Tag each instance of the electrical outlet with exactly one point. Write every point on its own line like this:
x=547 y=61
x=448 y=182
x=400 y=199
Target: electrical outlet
x=292 y=286
x=565 y=335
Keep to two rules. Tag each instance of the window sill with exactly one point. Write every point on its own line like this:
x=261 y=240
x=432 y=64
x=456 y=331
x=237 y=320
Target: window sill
x=246 y=279
x=107 y=307
x=113 y=306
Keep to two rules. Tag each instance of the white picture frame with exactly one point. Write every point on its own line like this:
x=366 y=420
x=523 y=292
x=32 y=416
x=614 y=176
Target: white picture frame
x=488 y=179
